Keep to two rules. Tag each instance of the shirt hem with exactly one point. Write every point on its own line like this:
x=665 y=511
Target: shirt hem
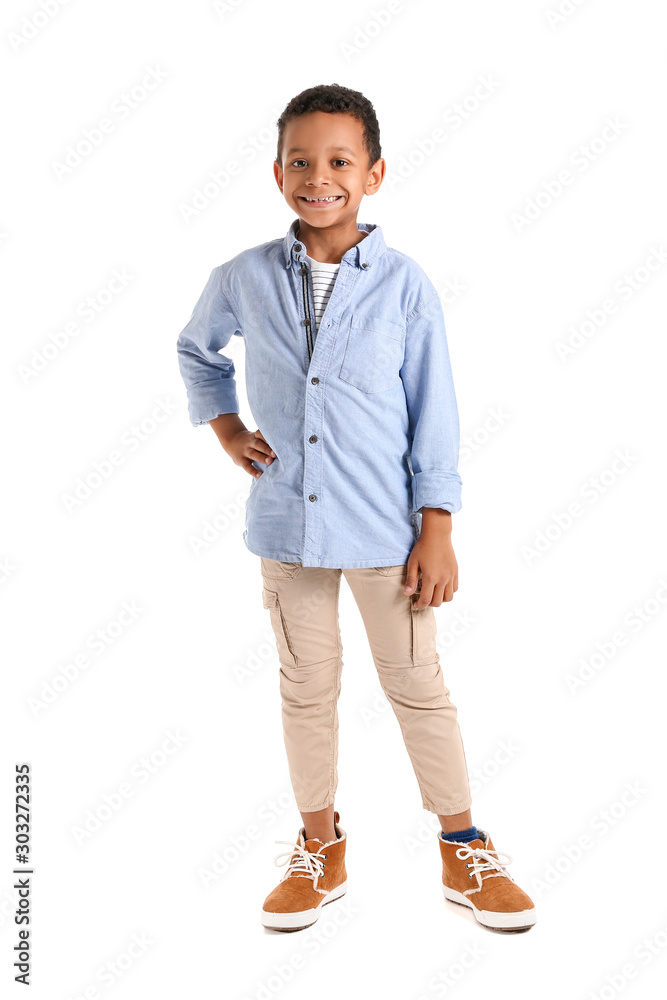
x=396 y=560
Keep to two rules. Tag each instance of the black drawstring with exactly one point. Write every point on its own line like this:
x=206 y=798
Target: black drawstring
x=307 y=324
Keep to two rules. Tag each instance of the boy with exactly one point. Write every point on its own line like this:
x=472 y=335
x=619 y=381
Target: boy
x=354 y=471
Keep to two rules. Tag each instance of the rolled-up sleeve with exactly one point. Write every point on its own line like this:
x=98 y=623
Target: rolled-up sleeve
x=209 y=376
x=433 y=413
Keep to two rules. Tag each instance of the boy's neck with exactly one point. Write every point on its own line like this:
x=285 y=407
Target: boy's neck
x=329 y=245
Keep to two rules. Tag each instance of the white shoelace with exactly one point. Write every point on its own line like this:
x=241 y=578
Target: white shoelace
x=305 y=864
x=484 y=862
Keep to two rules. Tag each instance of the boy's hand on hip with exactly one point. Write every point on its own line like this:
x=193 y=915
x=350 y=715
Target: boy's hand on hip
x=433 y=558
x=247 y=447
x=243 y=446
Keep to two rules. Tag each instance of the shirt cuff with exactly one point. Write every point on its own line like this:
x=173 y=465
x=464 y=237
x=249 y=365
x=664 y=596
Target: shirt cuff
x=205 y=406
x=436 y=489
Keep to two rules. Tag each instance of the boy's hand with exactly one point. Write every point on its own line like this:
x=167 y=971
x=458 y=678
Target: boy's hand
x=243 y=446
x=246 y=447
x=433 y=557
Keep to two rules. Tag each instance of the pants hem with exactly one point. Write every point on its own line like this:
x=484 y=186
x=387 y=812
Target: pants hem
x=311 y=809
x=449 y=810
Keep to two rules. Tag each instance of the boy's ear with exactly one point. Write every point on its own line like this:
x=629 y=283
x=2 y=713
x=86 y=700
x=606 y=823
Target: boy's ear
x=278 y=174
x=376 y=175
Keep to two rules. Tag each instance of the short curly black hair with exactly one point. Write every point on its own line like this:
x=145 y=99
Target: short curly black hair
x=335 y=99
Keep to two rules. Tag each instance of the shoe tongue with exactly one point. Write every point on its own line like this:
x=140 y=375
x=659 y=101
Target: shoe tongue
x=476 y=843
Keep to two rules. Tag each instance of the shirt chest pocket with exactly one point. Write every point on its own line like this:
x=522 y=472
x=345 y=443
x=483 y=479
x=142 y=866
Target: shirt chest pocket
x=374 y=354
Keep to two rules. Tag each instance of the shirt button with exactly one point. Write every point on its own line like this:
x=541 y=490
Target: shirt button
x=314 y=380
x=312 y=497
x=364 y=265
x=297 y=247
x=313 y=438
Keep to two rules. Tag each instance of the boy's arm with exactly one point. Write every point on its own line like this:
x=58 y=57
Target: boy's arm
x=226 y=426
x=434 y=428
x=433 y=415
x=436 y=519
x=208 y=375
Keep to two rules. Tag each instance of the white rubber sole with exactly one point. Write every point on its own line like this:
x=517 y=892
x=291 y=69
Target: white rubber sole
x=300 y=919
x=517 y=921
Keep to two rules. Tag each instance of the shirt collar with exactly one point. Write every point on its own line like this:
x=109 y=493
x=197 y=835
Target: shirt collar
x=363 y=254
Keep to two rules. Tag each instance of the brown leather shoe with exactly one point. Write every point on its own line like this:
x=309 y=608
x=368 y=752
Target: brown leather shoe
x=473 y=875
x=315 y=876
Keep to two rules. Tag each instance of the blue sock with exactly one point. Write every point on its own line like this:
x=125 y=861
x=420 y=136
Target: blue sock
x=465 y=836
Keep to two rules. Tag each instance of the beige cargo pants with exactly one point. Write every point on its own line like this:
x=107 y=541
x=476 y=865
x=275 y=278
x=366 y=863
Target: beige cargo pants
x=303 y=605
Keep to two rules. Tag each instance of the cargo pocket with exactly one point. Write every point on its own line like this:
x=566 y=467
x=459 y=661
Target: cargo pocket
x=424 y=635
x=397 y=570
x=279 y=625
x=275 y=569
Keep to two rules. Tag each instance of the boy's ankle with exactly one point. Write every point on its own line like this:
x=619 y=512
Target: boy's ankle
x=320 y=835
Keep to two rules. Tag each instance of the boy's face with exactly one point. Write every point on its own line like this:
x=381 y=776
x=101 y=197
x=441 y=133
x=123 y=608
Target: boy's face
x=323 y=155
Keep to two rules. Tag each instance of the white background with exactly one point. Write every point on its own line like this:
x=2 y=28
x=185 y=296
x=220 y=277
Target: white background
x=177 y=665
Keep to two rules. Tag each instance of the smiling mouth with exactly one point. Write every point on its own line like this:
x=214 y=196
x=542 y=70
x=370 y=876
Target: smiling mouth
x=326 y=200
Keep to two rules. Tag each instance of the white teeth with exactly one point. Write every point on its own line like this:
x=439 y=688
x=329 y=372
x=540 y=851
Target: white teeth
x=330 y=198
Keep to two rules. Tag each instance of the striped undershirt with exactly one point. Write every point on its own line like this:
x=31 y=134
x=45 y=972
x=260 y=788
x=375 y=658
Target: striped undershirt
x=324 y=278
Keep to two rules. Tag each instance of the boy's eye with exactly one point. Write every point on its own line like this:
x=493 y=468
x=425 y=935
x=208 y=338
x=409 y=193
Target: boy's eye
x=297 y=162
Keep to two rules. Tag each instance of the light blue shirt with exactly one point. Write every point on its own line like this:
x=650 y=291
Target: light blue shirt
x=362 y=415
